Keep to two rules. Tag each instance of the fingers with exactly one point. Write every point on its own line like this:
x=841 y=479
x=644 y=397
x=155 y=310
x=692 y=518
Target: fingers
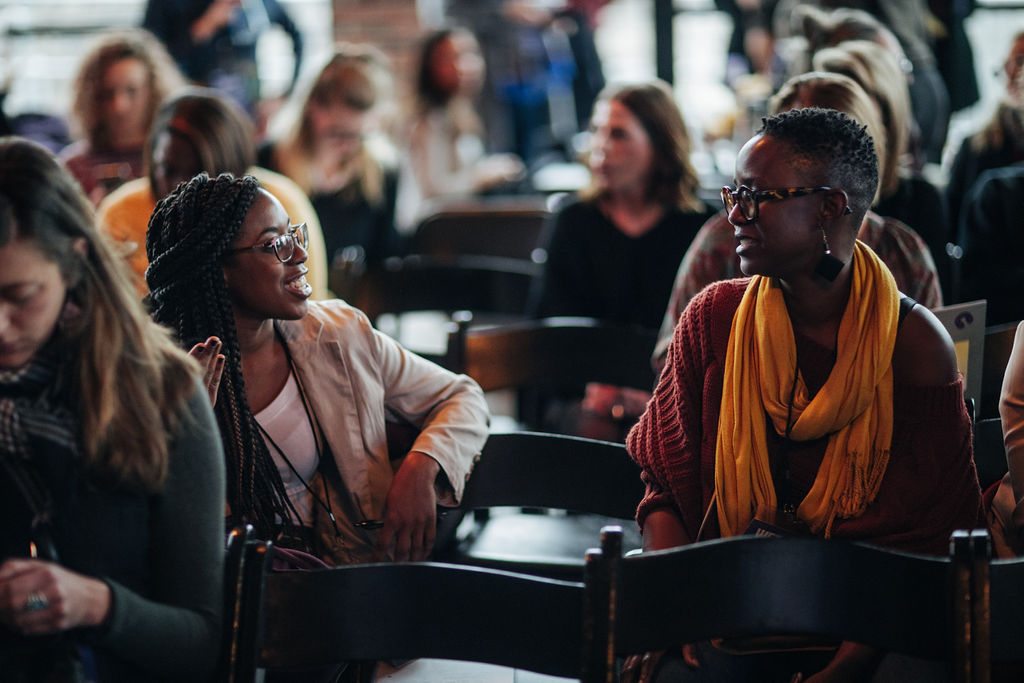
x=31 y=600
x=214 y=382
x=211 y=360
x=406 y=542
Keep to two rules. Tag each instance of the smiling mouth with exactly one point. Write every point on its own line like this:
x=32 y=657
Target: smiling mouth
x=299 y=286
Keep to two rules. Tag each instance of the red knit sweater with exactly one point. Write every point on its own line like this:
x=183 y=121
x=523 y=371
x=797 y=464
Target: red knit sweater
x=930 y=486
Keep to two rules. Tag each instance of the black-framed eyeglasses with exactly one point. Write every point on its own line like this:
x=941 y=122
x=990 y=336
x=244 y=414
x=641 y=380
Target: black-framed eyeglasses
x=748 y=200
x=283 y=245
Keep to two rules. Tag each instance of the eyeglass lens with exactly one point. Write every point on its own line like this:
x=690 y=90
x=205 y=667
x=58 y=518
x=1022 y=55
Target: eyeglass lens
x=284 y=245
x=744 y=196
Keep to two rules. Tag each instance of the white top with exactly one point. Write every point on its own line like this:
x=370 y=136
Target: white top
x=285 y=421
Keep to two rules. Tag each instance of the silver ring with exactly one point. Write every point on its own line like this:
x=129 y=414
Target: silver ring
x=36 y=601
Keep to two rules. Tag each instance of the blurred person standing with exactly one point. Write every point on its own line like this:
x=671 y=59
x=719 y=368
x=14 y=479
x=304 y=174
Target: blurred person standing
x=214 y=42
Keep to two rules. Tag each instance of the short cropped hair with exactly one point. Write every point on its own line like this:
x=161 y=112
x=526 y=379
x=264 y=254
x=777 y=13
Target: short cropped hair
x=840 y=146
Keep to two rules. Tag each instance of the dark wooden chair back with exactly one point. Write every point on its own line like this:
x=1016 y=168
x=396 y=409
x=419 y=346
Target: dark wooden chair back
x=507 y=231
x=750 y=586
x=596 y=479
x=234 y=561
x=297 y=620
x=530 y=469
x=423 y=283
x=997 y=626
x=561 y=353
x=998 y=344
x=989 y=451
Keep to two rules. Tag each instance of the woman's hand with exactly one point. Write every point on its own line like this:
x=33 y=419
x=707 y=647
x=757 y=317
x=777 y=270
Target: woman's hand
x=38 y=597
x=410 y=513
x=498 y=169
x=217 y=16
x=212 y=362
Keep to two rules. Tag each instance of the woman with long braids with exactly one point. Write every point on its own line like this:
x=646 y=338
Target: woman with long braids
x=308 y=388
x=111 y=473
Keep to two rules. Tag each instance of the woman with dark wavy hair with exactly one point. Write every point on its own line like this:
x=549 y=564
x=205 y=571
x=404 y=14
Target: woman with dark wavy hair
x=307 y=388
x=614 y=252
x=111 y=473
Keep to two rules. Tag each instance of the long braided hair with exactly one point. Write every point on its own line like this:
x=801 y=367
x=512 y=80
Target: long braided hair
x=190 y=234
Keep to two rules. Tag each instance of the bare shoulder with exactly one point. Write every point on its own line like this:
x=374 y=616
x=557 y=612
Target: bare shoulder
x=924 y=354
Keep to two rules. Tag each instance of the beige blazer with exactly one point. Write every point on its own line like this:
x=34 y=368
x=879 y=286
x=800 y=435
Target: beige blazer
x=355 y=379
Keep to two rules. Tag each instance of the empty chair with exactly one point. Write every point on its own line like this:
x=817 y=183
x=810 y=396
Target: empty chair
x=556 y=353
x=405 y=288
x=596 y=479
x=746 y=587
x=506 y=229
x=422 y=283
x=552 y=356
x=315 y=620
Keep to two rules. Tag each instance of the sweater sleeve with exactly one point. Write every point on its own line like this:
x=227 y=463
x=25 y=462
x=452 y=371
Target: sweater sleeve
x=175 y=632
x=669 y=441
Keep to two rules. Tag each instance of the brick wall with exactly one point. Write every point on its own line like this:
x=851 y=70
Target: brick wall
x=392 y=25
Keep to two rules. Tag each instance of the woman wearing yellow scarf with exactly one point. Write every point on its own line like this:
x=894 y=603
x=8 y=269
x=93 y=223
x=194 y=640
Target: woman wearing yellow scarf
x=809 y=398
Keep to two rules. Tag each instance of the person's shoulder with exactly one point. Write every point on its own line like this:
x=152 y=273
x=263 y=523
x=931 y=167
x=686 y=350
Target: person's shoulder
x=326 y=320
x=894 y=229
x=995 y=181
x=337 y=311
x=573 y=207
x=718 y=299
x=133 y=193
x=574 y=215
x=74 y=152
x=924 y=353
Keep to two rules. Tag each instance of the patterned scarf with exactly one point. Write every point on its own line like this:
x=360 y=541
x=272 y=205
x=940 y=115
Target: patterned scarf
x=853 y=408
x=38 y=434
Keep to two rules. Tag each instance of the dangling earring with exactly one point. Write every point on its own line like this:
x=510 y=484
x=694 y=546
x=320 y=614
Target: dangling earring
x=829 y=266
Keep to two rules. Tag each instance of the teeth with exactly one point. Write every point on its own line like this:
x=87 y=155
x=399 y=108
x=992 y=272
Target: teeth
x=300 y=285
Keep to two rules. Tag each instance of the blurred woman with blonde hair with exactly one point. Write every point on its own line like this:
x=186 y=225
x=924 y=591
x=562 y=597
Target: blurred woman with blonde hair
x=903 y=192
x=337 y=150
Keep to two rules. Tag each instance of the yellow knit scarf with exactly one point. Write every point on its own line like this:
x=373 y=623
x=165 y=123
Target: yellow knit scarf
x=854 y=407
